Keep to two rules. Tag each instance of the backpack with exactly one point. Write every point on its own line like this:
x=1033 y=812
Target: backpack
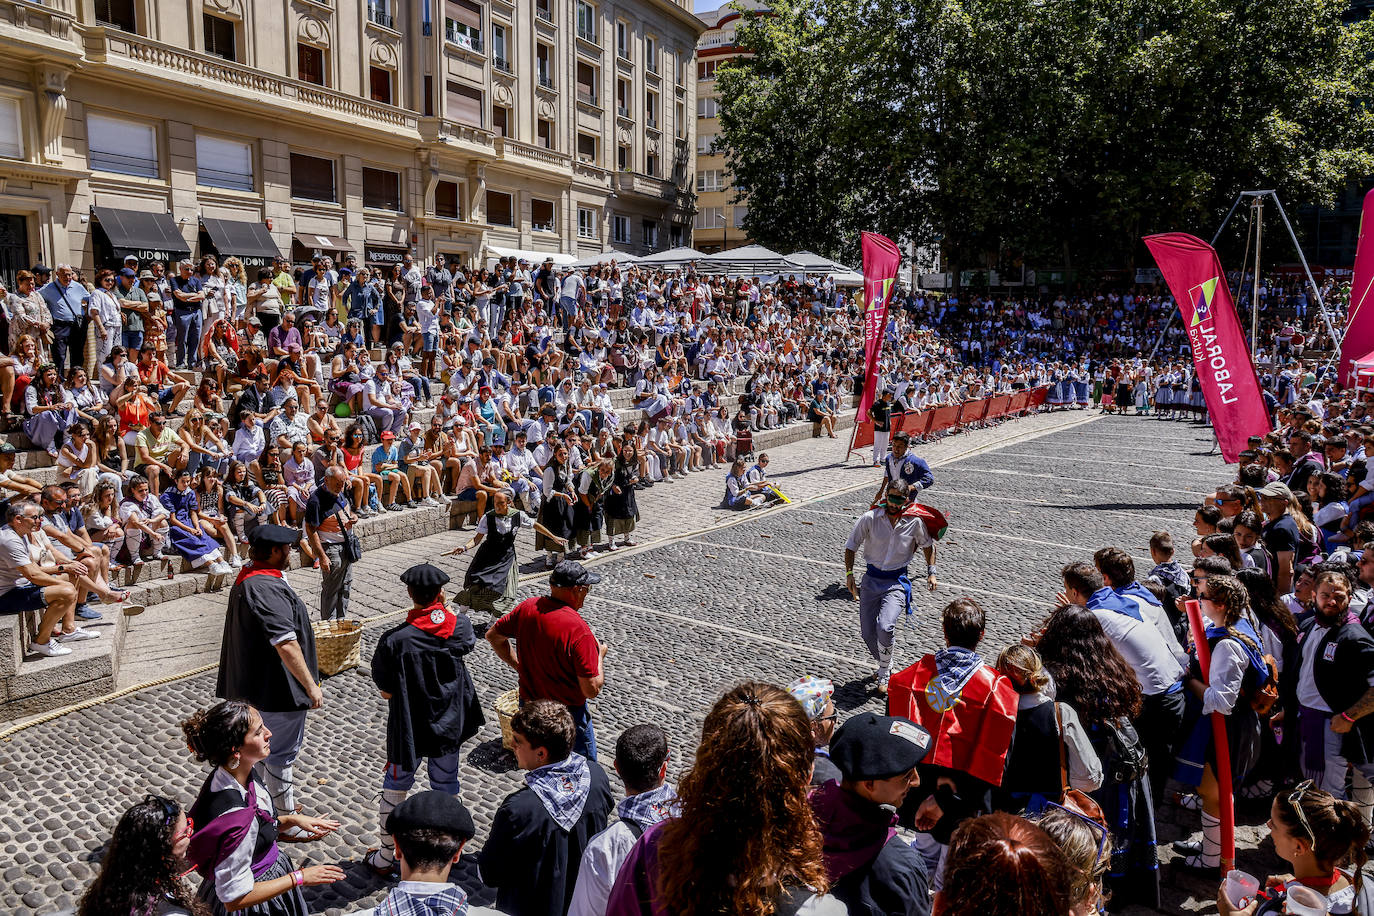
x=1123 y=756
x=1265 y=696
x=369 y=429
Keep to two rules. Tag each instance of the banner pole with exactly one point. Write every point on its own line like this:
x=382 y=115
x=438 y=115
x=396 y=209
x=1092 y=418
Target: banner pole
x=1337 y=339
x=1221 y=744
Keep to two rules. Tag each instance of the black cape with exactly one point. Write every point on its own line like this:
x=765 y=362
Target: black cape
x=434 y=706
x=263 y=608
x=530 y=860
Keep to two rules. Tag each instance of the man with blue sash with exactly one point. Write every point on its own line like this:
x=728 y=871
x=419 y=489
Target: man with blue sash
x=889 y=540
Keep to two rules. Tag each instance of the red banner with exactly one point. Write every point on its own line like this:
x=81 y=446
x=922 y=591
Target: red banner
x=1359 y=322
x=881 y=260
x=1220 y=357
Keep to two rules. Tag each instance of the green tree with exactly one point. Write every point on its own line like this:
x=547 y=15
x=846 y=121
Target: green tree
x=1055 y=130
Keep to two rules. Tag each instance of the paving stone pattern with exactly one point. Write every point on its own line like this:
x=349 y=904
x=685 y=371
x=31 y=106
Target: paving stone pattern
x=697 y=608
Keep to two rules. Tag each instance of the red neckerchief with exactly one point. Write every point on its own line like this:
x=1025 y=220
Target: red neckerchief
x=1320 y=884
x=250 y=571
x=435 y=619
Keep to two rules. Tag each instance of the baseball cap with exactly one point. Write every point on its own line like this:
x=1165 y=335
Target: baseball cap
x=388 y=434
x=571 y=574
x=1275 y=490
x=128 y=272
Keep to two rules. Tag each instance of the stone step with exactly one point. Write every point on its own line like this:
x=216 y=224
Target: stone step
x=34 y=683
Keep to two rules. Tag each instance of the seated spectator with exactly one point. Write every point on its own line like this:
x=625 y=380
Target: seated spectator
x=739 y=493
x=395 y=490
x=12 y=483
x=534 y=851
x=32 y=580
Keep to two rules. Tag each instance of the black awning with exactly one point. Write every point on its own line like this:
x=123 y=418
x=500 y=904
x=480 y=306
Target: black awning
x=317 y=243
x=249 y=242
x=146 y=236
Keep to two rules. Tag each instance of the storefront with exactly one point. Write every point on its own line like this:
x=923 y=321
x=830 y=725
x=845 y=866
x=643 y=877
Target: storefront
x=251 y=243
x=305 y=246
x=147 y=236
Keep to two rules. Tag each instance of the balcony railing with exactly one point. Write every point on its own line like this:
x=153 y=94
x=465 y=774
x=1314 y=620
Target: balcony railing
x=463 y=39
x=588 y=97
x=544 y=13
x=622 y=110
x=586 y=34
x=545 y=81
x=500 y=63
x=381 y=17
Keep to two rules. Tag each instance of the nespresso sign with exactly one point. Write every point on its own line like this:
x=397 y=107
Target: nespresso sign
x=384 y=255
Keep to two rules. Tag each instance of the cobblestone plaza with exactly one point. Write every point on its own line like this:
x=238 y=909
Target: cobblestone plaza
x=709 y=598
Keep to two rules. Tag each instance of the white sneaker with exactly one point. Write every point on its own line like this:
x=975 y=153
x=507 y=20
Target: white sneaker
x=220 y=568
x=51 y=648
x=236 y=562
x=78 y=634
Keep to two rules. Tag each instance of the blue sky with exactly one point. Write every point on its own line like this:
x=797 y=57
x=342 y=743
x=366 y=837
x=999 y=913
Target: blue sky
x=705 y=6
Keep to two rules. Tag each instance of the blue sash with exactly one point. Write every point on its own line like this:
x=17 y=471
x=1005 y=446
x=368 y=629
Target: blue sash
x=898 y=576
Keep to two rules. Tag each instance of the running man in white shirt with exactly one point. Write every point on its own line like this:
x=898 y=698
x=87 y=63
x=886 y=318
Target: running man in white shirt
x=889 y=541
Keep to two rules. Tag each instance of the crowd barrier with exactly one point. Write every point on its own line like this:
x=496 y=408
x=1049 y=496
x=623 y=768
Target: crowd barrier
x=921 y=424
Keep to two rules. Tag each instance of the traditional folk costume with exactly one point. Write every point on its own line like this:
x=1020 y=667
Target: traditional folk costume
x=433 y=706
x=493 y=576
x=235 y=846
x=622 y=510
x=885 y=591
x=556 y=513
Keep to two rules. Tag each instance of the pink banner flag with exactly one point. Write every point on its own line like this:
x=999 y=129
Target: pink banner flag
x=1220 y=357
x=881 y=260
x=1359 y=322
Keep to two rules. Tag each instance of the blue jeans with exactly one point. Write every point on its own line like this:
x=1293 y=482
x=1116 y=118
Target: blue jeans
x=585 y=742
x=187 y=322
x=443 y=775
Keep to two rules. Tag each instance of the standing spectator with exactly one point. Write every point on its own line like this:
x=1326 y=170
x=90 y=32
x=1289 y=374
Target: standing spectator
x=871 y=869
x=104 y=310
x=755 y=755
x=1281 y=537
x=641 y=759
x=432 y=705
x=133 y=303
x=328 y=519
x=534 y=851
x=889 y=538
x=815 y=695
x=141 y=871
x=430 y=831
x=1002 y=865
x=880 y=412
x=187 y=294
x=28 y=315
x=970 y=711
x=268 y=656
x=66 y=301
x=559 y=658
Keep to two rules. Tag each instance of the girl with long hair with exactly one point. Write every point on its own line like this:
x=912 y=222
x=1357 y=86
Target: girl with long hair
x=755 y=755
x=1091 y=675
x=1003 y=865
x=142 y=868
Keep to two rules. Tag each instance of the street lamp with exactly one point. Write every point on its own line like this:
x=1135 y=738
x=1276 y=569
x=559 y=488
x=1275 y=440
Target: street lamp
x=724 y=231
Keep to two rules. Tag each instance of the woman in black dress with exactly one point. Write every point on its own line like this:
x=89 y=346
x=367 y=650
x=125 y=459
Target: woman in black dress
x=621 y=509
x=556 y=513
x=589 y=515
x=494 y=574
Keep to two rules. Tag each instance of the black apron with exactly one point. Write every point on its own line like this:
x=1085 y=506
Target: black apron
x=622 y=504
x=592 y=519
x=556 y=514
x=492 y=561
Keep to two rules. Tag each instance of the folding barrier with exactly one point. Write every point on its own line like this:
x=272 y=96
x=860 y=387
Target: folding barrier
x=973 y=411
x=1000 y=407
x=1020 y=402
x=923 y=423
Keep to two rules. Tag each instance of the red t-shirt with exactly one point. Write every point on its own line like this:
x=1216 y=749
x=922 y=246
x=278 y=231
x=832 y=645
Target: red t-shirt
x=555 y=647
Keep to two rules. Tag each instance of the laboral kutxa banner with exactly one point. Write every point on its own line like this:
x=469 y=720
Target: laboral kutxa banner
x=1359 y=322
x=881 y=260
x=1220 y=357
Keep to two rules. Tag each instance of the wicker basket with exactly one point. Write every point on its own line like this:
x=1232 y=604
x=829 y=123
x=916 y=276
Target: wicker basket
x=337 y=645
x=507 y=705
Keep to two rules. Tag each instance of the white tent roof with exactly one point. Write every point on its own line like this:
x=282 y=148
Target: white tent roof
x=671 y=258
x=605 y=257
x=817 y=264
x=748 y=261
x=534 y=257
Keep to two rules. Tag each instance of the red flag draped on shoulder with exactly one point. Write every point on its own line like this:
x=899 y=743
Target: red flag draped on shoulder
x=881 y=260
x=1220 y=356
x=1359 y=323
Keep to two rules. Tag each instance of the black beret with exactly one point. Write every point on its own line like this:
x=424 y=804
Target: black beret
x=273 y=534
x=432 y=810
x=870 y=746
x=423 y=575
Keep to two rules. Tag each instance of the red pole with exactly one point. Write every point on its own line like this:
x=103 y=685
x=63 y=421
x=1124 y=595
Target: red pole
x=1219 y=739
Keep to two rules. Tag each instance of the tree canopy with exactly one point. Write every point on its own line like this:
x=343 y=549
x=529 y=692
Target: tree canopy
x=1058 y=131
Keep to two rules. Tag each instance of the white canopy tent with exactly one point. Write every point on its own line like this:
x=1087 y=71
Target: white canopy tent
x=534 y=257
x=750 y=261
x=673 y=257
x=817 y=264
x=606 y=257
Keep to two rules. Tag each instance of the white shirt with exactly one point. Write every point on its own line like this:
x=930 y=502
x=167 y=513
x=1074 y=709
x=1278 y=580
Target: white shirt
x=885 y=545
x=1229 y=661
x=601 y=863
x=1307 y=684
x=1144 y=650
x=1154 y=613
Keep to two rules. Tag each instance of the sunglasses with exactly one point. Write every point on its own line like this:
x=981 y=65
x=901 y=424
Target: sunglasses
x=169 y=812
x=1103 y=834
x=1295 y=799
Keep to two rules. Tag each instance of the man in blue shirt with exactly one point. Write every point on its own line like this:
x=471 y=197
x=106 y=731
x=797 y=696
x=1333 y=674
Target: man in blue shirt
x=66 y=300
x=187 y=293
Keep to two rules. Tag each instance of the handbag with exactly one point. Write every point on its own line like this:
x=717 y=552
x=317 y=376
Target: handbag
x=352 y=547
x=1075 y=800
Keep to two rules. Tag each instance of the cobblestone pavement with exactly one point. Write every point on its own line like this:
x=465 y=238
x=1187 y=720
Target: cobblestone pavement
x=699 y=606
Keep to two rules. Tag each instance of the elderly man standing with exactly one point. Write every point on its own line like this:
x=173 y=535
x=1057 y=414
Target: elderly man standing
x=268 y=656
x=187 y=294
x=328 y=520
x=889 y=539
x=559 y=657
x=66 y=300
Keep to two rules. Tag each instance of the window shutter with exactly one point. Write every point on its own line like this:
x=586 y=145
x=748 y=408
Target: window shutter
x=465 y=104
